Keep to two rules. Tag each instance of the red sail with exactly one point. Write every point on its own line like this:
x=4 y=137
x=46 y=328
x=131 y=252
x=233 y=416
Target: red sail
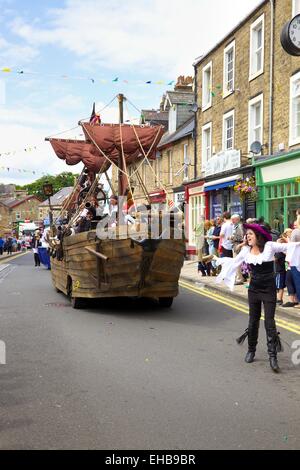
x=135 y=140
x=76 y=151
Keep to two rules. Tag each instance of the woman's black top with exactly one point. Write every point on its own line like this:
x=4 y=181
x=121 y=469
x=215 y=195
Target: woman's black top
x=262 y=276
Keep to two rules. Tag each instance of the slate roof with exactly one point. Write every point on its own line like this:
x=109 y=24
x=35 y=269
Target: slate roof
x=186 y=129
x=58 y=198
x=181 y=97
x=155 y=115
x=12 y=202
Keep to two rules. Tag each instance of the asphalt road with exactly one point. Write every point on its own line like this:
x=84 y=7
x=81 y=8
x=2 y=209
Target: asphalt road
x=129 y=375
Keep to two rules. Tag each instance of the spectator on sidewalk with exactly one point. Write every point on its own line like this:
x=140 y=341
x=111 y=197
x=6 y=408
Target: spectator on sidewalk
x=295 y=265
x=9 y=246
x=205 y=266
x=225 y=236
x=36 y=242
x=1 y=245
x=237 y=243
x=280 y=276
x=199 y=238
x=292 y=299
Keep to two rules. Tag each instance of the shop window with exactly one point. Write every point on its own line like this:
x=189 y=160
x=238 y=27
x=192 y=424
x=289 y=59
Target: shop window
x=257 y=48
x=196 y=210
x=295 y=110
x=276 y=215
x=207 y=87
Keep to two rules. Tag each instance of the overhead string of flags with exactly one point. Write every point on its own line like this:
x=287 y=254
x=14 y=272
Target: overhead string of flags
x=15 y=151
x=9 y=70
x=20 y=170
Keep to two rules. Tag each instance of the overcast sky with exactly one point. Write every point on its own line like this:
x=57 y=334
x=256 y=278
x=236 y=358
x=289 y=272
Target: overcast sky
x=136 y=41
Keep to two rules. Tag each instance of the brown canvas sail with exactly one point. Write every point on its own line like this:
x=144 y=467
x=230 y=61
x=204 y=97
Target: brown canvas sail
x=133 y=140
x=76 y=151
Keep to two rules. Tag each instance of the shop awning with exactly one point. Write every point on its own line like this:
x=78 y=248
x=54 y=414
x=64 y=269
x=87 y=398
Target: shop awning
x=222 y=183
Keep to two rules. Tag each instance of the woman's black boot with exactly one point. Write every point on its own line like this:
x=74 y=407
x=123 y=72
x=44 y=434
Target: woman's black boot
x=273 y=346
x=252 y=342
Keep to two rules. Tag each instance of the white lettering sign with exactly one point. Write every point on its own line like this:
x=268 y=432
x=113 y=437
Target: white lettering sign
x=223 y=161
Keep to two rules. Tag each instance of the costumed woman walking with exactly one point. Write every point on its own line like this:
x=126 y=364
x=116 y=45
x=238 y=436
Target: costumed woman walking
x=258 y=252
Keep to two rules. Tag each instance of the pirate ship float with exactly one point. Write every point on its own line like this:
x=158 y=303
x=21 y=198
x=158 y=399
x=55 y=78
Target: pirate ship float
x=118 y=260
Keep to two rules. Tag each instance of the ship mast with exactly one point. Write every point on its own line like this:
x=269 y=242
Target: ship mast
x=122 y=178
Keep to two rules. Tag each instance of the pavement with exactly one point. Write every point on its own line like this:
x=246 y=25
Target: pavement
x=127 y=374
x=190 y=274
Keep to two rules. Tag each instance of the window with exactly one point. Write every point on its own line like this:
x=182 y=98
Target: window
x=257 y=48
x=185 y=163
x=228 y=131
x=170 y=167
x=172 y=118
x=18 y=215
x=229 y=64
x=206 y=144
x=196 y=210
x=158 y=168
x=207 y=87
x=255 y=133
x=295 y=110
x=296 y=8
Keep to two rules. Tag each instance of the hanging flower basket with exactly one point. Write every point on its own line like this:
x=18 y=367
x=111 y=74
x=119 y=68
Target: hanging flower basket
x=246 y=188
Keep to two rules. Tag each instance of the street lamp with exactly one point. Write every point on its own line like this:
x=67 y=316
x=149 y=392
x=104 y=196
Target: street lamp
x=48 y=192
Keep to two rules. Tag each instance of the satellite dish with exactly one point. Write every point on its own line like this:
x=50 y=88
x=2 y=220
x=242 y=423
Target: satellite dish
x=194 y=108
x=256 y=147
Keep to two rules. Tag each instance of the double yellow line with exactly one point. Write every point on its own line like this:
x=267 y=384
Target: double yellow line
x=236 y=305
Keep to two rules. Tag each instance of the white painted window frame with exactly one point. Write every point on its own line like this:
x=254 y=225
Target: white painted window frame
x=253 y=102
x=204 y=157
x=292 y=139
x=224 y=139
x=207 y=105
x=295 y=8
x=253 y=27
x=170 y=167
x=185 y=162
x=226 y=91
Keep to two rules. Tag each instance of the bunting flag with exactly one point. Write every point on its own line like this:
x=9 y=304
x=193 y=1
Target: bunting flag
x=93 y=80
x=32 y=148
x=20 y=170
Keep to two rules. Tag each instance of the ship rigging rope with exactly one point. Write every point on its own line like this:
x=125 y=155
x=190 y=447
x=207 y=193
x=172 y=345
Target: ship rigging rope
x=98 y=112
x=158 y=179
x=68 y=199
x=149 y=164
x=125 y=166
x=113 y=163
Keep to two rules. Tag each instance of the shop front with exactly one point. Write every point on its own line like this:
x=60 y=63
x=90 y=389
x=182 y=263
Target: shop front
x=278 y=180
x=221 y=175
x=223 y=198
x=195 y=208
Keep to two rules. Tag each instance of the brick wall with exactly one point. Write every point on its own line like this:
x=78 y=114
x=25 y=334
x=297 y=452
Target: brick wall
x=284 y=67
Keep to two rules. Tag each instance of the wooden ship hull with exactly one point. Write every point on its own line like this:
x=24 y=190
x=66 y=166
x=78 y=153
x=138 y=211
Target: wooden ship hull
x=93 y=268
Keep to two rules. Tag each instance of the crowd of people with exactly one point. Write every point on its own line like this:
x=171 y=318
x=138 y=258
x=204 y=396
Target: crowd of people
x=10 y=245
x=273 y=262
